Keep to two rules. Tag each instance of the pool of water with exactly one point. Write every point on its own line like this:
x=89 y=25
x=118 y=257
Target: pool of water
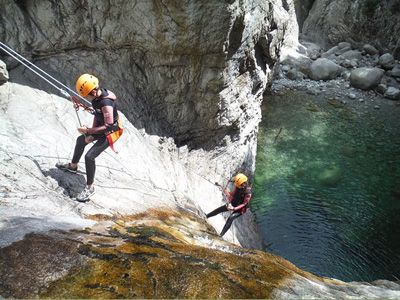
x=327 y=185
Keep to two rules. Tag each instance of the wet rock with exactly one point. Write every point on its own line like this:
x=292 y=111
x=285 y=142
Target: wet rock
x=371 y=50
x=3 y=72
x=392 y=93
x=330 y=176
x=386 y=61
x=324 y=69
x=366 y=78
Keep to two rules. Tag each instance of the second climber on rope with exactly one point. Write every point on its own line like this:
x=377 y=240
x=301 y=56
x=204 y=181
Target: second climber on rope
x=238 y=199
x=105 y=130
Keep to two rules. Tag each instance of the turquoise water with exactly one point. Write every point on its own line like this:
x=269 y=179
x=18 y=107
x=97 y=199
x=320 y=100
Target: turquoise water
x=327 y=185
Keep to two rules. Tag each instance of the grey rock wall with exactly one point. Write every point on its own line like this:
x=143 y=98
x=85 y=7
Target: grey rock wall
x=360 y=21
x=194 y=71
x=302 y=7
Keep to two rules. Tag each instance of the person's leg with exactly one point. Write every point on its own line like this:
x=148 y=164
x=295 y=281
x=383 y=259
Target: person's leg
x=228 y=223
x=98 y=147
x=79 y=148
x=217 y=211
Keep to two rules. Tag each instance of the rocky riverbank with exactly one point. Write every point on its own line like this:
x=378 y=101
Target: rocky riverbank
x=360 y=68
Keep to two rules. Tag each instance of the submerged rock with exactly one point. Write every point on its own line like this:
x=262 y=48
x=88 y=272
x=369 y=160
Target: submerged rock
x=330 y=177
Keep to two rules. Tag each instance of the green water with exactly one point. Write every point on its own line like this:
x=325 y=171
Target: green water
x=327 y=185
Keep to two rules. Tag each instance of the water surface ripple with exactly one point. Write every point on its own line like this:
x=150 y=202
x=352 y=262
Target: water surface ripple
x=327 y=185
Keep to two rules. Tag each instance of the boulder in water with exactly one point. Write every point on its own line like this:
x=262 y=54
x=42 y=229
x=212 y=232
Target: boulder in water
x=366 y=78
x=330 y=176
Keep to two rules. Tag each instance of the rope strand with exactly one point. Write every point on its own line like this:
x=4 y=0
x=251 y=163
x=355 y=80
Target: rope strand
x=22 y=60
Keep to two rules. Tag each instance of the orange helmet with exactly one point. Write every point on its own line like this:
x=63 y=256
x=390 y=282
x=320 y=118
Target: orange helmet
x=239 y=179
x=85 y=84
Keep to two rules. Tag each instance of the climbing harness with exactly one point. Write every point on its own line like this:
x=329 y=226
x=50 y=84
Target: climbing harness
x=78 y=100
x=113 y=136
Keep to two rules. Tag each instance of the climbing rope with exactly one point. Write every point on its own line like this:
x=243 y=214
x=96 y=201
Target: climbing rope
x=82 y=102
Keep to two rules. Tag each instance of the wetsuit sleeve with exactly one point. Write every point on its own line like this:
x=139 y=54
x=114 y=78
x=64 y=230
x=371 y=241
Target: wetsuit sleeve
x=245 y=202
x=108 y=121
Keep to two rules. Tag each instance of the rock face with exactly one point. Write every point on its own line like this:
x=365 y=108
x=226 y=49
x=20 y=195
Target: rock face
x=159 y=254
x=303 y=7
x=330 y=22
x=194 y=72
x=3 y=72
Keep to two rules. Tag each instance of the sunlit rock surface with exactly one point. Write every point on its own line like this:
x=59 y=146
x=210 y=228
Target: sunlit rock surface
x=39 y=129
x=157 y=254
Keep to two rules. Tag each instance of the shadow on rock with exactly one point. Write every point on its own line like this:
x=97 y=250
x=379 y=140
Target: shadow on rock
x=72 y=184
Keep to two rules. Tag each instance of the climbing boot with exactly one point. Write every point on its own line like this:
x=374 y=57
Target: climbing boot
x=67 y=167
x=85 y=194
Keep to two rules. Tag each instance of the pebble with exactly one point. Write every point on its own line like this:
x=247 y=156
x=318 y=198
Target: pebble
x=376 y=107
x=352 y=96
x=361 y=100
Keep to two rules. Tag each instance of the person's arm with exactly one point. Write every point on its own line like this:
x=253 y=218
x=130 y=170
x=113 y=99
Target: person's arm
x=228 y=195
x=245 y=202
x=108 y=113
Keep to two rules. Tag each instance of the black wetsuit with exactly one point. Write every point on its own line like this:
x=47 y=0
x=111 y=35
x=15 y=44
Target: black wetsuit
x=100 y=138
x=239 y=197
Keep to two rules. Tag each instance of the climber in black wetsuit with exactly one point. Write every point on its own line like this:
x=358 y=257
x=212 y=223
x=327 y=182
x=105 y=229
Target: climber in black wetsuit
x=238 y=200
x=105 y=120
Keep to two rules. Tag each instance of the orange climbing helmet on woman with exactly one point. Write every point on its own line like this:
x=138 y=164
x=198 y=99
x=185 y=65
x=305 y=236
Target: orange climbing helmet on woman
x=106 y=129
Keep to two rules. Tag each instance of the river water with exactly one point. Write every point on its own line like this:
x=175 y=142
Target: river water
x=327 y=185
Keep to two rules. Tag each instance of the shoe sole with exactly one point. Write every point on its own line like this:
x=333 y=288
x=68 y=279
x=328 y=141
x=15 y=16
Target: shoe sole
x=68 y=170
x=86 y=199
